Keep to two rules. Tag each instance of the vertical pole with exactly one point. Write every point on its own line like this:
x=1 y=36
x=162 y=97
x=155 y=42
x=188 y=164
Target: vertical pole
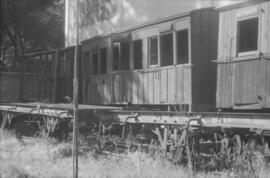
x=165 y=136
x=175 y=135
x=55 y=75
x=75 y=95
x=123 y=130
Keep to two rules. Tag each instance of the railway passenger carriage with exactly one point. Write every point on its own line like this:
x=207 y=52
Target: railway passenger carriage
x=202 y=60
x=37 y=76
x=47 y=76
x=166 y=62
x=243 y=80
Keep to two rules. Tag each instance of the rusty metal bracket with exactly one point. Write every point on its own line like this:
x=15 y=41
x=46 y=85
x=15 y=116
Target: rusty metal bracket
x=132 y=117
x=198 y=119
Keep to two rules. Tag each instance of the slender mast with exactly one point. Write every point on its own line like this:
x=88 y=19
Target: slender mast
x=75 y=94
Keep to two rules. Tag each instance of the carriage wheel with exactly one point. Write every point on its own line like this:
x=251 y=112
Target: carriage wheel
x=234 y=149
x=237 y=147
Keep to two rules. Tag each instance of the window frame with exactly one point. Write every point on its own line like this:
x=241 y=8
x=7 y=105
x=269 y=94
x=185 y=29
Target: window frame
x=119 y=55
x=173 y=49
x=189 y=46
x=129 y=55
x=241 y=17
x=132 y=54
x=149 y=53
x=106 y=60
x=120 y=62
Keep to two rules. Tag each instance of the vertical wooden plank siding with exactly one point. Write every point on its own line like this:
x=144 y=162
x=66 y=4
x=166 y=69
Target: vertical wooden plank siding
x=55 y=76
x=229 y=70
x=145 y=88
x=266 y=37
x=243 y=82
x=94 y=90
x=218 y=87
x=163 y=85
x=224 y=69
x=267 y=79
x=180 y=84
x=263 y=63
x=171 y=81
x=90 y=88
x=156 y=89
x=84 y=99
x=101 y=89
x=204 y=28
x=247 y=82
x=89 y=94
x=267 y=83
x=224 y=85
x=220 y=75
x=140 y=88
x=117 y=88
x=123 y=87
x=135 y=97
x=126 y=87
x=104 y=83
x=151 y=88
x=187 y=86
x=30 y=87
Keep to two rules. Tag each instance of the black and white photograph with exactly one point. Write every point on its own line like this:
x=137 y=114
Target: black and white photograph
x=135 y=89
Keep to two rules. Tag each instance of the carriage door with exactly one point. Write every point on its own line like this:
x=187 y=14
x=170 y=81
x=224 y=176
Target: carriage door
x=247 y=65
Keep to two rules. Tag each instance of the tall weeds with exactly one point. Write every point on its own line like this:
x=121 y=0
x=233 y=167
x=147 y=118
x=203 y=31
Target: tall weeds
x=45 y=158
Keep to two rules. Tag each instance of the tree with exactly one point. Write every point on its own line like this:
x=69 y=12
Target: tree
x=29 y=26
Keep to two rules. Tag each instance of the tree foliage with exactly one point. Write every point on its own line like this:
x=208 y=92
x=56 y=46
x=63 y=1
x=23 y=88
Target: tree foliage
x=29 y=26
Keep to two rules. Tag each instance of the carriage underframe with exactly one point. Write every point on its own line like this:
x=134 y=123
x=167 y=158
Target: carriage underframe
x=199 y=140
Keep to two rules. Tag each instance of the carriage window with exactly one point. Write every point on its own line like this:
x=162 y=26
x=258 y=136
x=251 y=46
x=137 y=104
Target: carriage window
x=153 y=51
x=166 y=49
x=124 y=55
x=95 y=62
x=248 y=35
x=116 y=56
x=137 y=54
x=86 y=63
x=103 y=60
x=182 y=46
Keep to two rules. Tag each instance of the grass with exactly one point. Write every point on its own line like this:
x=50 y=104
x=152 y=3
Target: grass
x=45 y=158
